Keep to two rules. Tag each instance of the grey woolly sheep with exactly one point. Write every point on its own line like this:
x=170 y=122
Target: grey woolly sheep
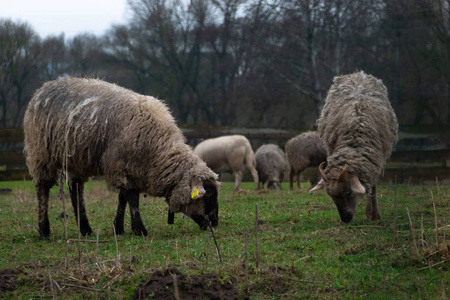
x=88 y=127
x=359 y=127
x=303 y=151
x=231 y=153
x=270 y=164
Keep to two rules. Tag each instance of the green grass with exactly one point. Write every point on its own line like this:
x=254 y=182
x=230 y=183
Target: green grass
x=304 y=249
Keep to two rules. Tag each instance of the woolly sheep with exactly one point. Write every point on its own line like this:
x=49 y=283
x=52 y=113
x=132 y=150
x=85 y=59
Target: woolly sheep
x=359 y=128
x=231 y=153
x=270 y=165
x=88 y=127
x=303 y=151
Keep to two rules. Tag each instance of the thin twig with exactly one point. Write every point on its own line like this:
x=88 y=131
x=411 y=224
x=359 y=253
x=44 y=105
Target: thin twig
x=215 y=241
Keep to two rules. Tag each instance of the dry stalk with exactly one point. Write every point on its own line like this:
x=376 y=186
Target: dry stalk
x=436 y=226
x=256 y=235
x=78 y=221
x=394 y=226
x=51 y=286
x=61 y=195
x=414 y=249
x=246 y=264
x=175 y=286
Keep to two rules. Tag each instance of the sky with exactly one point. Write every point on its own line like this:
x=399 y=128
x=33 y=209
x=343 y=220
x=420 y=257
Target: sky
x=52 y=17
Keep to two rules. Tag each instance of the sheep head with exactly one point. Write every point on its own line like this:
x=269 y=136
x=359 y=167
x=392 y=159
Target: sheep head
x=197 y=199
x=345 y=190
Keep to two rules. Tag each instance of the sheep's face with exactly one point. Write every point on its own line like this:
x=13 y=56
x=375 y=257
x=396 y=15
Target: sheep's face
x=203 y=207
x=344 y=190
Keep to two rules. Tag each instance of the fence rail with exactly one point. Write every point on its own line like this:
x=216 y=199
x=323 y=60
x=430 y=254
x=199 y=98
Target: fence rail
x=409 y=165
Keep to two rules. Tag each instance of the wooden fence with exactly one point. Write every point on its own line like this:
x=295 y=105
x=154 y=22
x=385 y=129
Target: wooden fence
x=428 y=164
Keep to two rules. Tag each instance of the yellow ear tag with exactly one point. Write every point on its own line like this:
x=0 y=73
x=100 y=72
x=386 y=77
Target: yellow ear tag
x=194 y=193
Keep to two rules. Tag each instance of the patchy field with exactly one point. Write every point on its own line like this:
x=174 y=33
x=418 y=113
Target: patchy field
x=296 y=248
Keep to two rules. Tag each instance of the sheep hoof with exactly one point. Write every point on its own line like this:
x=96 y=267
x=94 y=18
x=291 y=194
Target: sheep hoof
x=140 y=231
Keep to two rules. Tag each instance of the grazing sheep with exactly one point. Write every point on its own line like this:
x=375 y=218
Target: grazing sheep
x=230 y=153
x=270 y=164
x=303 y=151
x=359 y=127
x=89 y=127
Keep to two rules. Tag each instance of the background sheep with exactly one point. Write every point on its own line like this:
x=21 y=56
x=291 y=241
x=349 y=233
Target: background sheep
x=231 y=153
x=89 y=127
x=359 y=127
x=303 y=151
x=270 y=164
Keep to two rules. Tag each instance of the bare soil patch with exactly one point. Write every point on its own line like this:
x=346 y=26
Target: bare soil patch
x=172 y=284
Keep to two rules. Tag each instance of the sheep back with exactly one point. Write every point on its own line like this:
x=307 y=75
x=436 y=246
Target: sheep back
x=358 y=127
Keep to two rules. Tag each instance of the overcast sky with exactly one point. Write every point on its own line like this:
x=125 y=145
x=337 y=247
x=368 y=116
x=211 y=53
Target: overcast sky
x=51 y=17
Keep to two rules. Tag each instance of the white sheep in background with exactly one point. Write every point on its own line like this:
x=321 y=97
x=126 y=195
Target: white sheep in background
x=231 y=153
x=270 y=164
x=359 y=127
x=303 y=151
x=89 y=127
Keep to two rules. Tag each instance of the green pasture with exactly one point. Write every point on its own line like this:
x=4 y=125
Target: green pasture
x=296 y=248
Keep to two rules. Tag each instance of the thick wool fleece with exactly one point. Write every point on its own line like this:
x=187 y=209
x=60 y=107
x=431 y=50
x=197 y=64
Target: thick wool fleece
x=90 y=127
x=270 y=163
x=305 y=150
x=358 y=126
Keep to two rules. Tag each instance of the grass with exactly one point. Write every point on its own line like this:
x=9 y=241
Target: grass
x=304 y=251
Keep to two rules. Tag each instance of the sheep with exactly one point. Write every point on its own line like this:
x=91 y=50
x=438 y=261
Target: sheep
x=231 y=153
x=359 y=128
x=270 y=165
x=88 y=127
x=302 y=151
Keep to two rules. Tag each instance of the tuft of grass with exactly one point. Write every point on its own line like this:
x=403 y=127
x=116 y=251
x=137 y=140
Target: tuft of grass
x=300 y=248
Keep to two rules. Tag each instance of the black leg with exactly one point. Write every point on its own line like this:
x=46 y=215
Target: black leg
x=42 y=191
x=119 y=220
x=76 y=190
x=132 y=197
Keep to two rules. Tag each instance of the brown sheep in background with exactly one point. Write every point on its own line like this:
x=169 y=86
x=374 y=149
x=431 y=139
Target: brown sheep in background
x=231 y=153
x=270 y=164
x=359 y=127
x=302 y=151
x=88 y=127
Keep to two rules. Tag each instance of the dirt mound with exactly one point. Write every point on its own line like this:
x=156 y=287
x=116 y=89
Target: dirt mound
x=161 y=286
x=8 y=279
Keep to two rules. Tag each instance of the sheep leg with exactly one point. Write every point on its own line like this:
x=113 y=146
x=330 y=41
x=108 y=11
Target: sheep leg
x=76 y=190
x=291 y=179
x=132 y=197
x=119 y=220
x=372 y=211
x=237 y=180
x=299 y=185
x=42 y=191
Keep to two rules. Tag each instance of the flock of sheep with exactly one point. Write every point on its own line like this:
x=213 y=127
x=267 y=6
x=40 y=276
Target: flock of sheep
x=87 y=127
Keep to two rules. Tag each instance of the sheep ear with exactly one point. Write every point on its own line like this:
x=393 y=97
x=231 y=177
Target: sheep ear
x=356 y=186
x=318 y=186
x=197 y=189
